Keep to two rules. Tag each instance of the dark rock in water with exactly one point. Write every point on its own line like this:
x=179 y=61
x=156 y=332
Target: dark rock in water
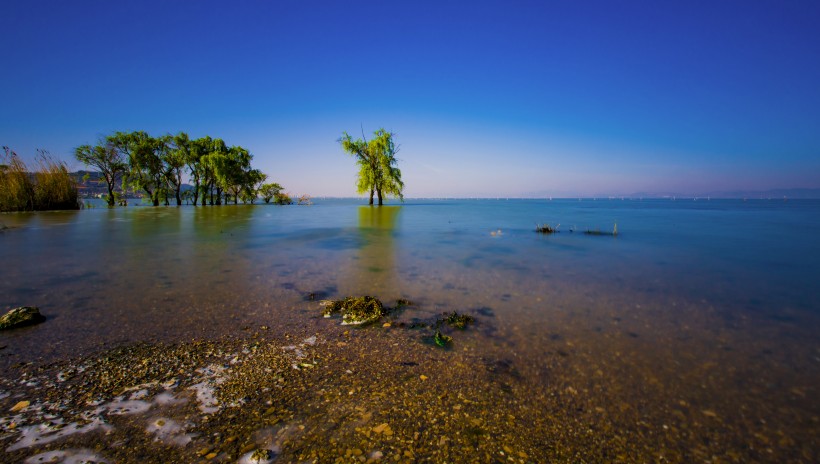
x=20 y=317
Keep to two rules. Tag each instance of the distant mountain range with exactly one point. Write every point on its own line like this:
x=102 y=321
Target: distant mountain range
x=95 y=184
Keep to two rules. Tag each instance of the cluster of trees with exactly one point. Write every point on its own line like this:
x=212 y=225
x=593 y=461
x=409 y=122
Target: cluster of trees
x=378 y=171
x=157 y=166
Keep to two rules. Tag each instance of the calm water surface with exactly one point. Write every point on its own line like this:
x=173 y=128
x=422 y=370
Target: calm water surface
x=710 y=304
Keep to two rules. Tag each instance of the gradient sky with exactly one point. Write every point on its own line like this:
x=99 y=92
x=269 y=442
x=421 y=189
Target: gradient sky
x=486 y=98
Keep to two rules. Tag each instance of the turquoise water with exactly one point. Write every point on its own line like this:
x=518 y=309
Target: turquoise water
x=105 y=276
x=699 y=319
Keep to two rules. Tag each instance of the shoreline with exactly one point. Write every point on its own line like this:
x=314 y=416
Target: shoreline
x=331 y=393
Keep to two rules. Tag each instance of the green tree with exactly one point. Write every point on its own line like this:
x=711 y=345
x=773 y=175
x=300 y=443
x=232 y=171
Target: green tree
x=213 y=165
x=253 y=180
x=176 y=158
x=196 y=168
x=360 y=150
x=388 y=182
x=378 y=166
x=268 y=191
x=231 y=174
x=107 y=159
x=145 y=165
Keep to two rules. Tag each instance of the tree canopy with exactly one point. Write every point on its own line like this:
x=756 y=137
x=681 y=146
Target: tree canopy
x=158 y=166
x=108 y=160
x=378 y=166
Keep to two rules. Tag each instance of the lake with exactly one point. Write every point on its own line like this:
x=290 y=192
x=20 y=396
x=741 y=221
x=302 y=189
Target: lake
x=699 y=318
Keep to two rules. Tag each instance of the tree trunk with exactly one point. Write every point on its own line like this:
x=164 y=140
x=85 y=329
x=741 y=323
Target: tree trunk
x=110 y=195
x=371 y=197
x=196 y=193
x=179 y=198
x=218 y=197
x=379 y=191
x=154 y=197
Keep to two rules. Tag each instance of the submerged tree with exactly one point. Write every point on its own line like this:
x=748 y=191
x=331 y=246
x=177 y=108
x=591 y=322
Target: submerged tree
x=269 y=191
x=145 y=161
x=158 y=166
x=108 y=160
x=378 y=166
x=176 y=159
x=389 y=180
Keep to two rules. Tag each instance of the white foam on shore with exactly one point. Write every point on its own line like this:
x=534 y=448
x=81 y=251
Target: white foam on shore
x=69 y=456
x=168 y=431
x=206 y=396
x=139 y=394
x=248 y=458
x=205 y=390
x=120 y=406
x=55 y=429
x=41 y=434
x=166 y=398
x=297 y=349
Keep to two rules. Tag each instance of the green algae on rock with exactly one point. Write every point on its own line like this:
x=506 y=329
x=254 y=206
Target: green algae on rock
x=441 y=339
x=455 y=320
x=21 y=317
x=356 y=310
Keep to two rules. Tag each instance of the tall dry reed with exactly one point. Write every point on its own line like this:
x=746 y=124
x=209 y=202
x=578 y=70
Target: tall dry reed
x=50 y=187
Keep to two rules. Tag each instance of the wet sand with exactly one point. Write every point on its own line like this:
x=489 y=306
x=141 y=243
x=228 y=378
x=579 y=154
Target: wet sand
x=613 y=392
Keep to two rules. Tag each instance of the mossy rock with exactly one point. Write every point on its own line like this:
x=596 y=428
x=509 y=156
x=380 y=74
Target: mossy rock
x=21 y=317
x=356 y=310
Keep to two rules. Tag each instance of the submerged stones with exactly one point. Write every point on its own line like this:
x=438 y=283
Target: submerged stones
x=356 y=310
x=455 y=320
x=21 y=317
x=367 y=309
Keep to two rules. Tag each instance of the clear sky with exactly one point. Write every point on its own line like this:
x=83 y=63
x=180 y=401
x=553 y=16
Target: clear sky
x=489 y=99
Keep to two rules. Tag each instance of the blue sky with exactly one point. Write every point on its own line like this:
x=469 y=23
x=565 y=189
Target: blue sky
x=486 y=98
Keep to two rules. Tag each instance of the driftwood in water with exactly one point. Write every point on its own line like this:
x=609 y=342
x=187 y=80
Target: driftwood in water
x=614 y=232
x=546 y=228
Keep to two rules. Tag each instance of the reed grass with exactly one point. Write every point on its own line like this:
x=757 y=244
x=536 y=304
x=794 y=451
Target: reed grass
x=50 y=187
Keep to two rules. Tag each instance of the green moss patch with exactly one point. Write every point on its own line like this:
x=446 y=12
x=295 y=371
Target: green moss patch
x=356 y=310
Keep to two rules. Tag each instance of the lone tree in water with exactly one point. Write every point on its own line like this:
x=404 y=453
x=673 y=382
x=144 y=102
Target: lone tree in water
x=378 y=171
x=108 y=159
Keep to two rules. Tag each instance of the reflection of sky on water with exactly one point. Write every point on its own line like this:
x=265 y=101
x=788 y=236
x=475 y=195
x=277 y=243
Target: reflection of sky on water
x=712 y=305
x=104 y=276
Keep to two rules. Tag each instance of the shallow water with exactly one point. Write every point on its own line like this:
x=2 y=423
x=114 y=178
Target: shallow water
x=709 y=304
